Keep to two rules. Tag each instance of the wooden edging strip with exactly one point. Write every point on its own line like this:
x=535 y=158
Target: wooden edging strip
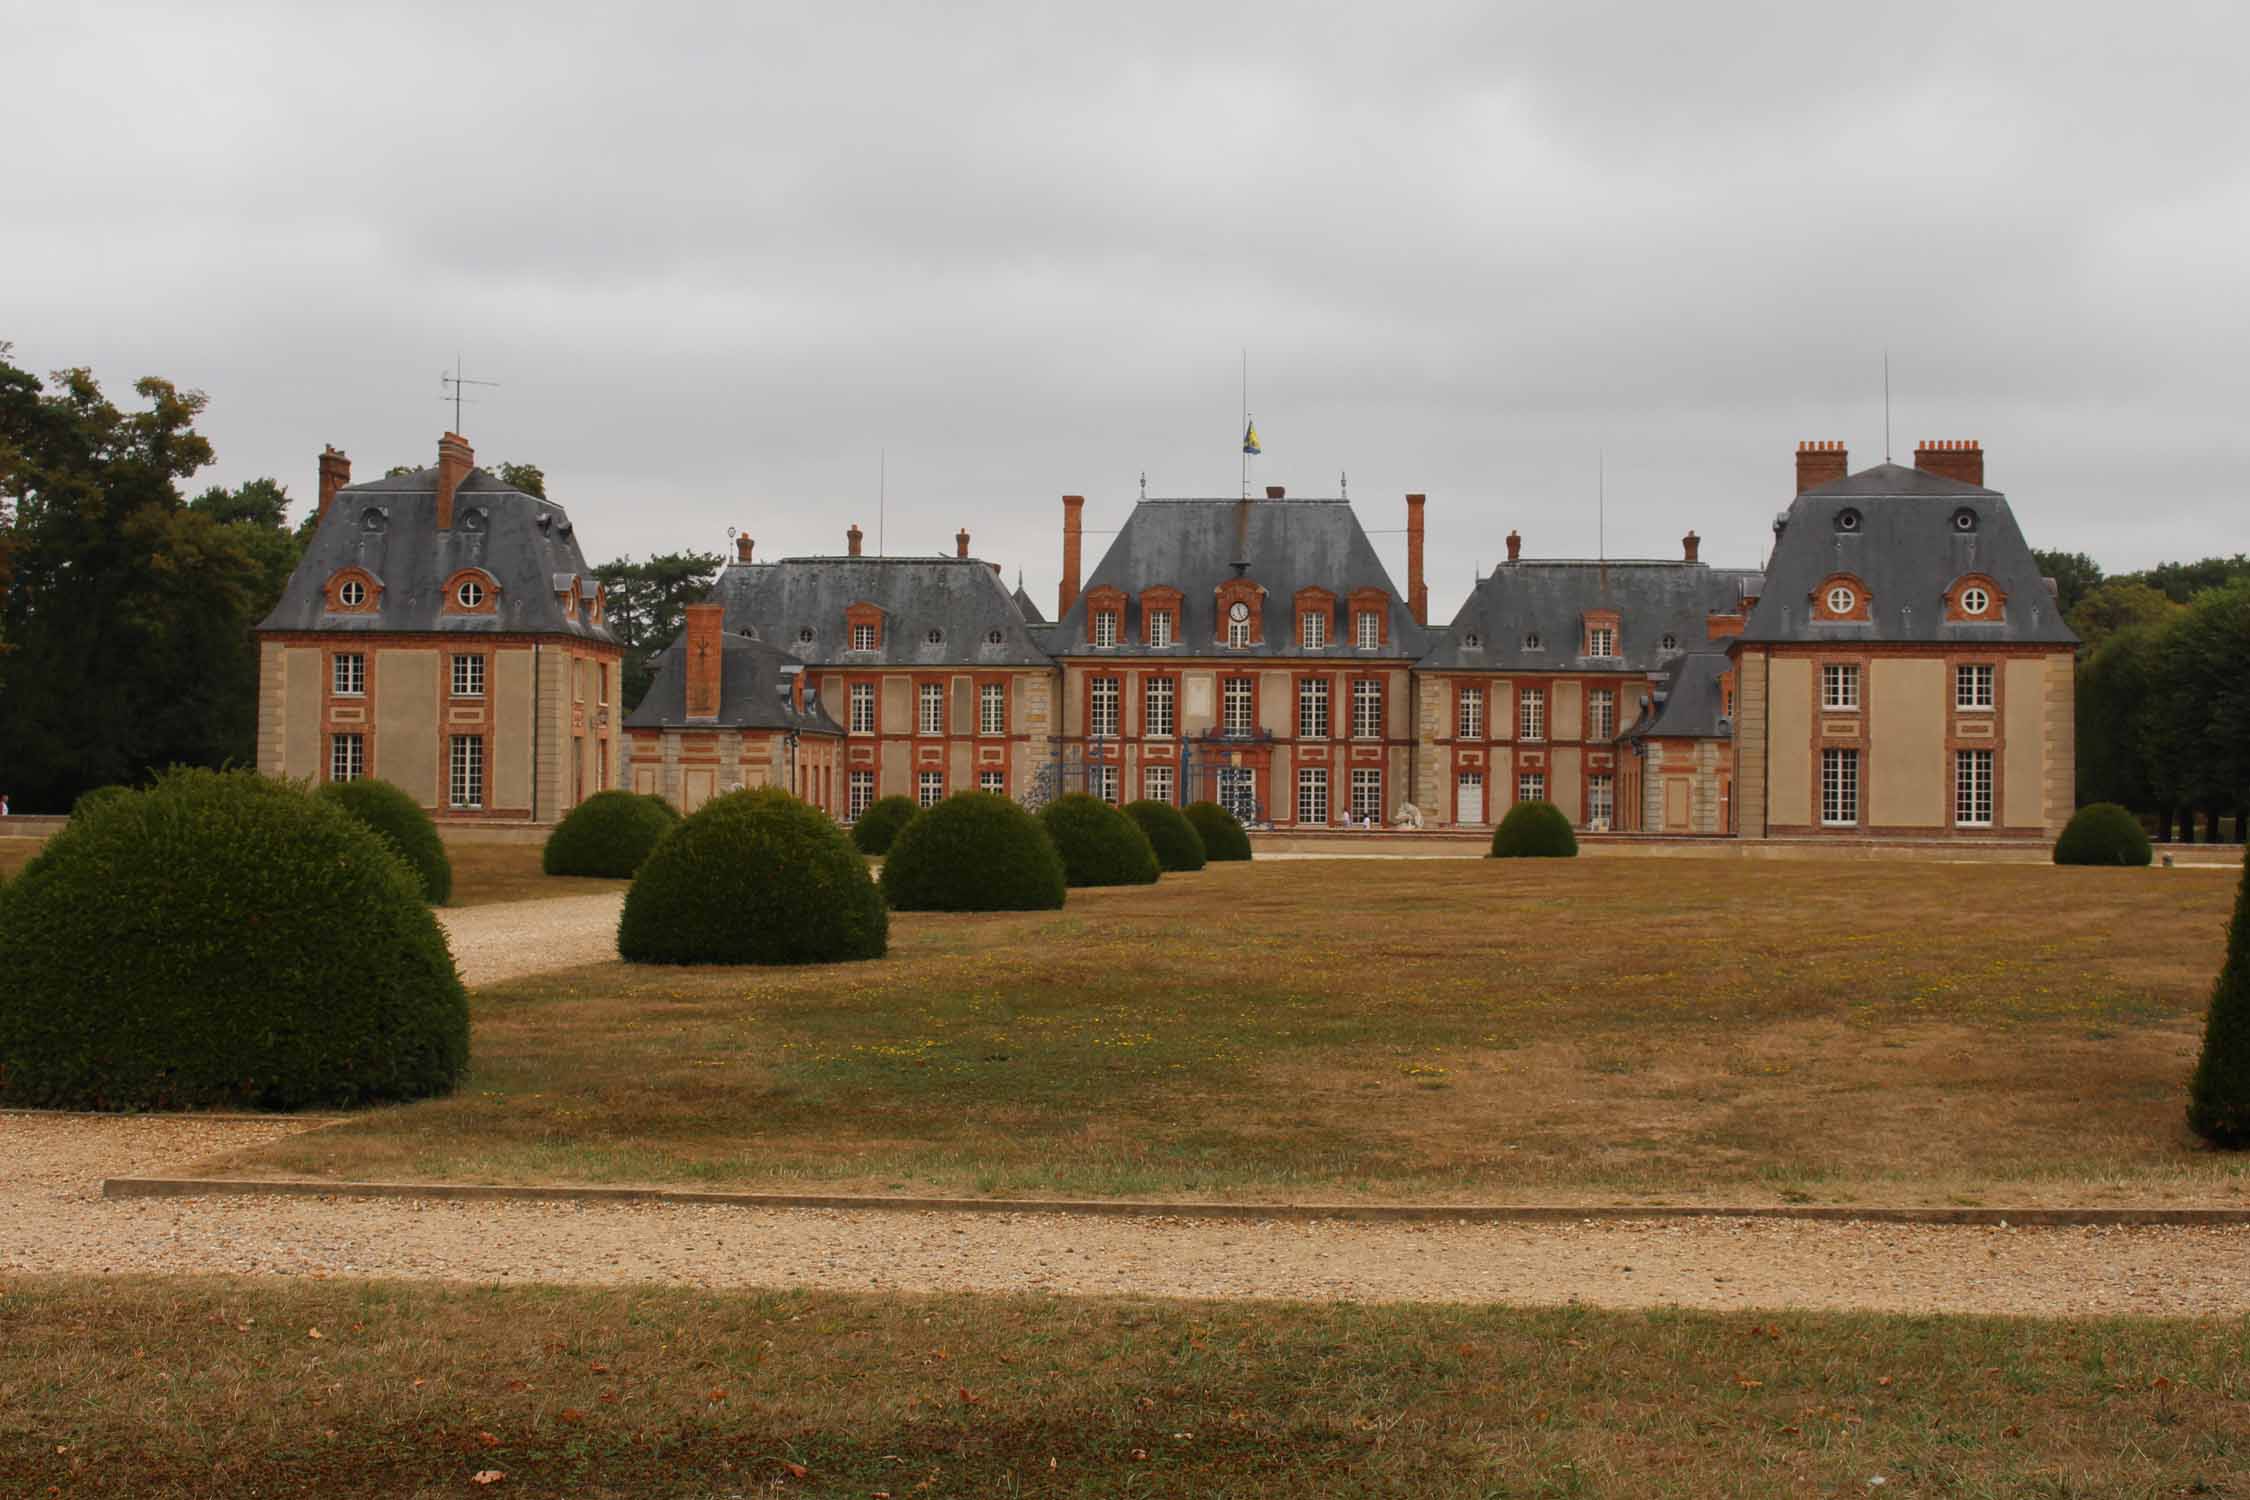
x=1406 y=1213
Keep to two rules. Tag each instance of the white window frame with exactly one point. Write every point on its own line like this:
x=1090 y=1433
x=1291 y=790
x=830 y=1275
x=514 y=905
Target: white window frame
x=1367 y=708
x=1105 y=627
x=351 y=593
x=863 y=708
x=1839 y=687
x=1157 y=783
x=1601 y=713
x=1975 y=601
x=1104 y=707
x=1531 y=714
x=1159 y=628
x=1973 y=685
x=1312 y=629
x=1601 y=801
x=1159 y=702
x=1839 y=788
x=1469 y=714
x=992 y=708
x=929 y=698
x=1601 y=640
x=1102 y=781
x=1312 y=708
x=470 y=593
x=1531 y=786
x=1238 y=634
x=859 y=794
x=929 y=788
x=347 y=756
x=1367 y=795
x=464 y=784
x=1842 y=600
x=1312 y=794
x=863 y=637
x=348 y=674
x=468 y=676
x=1369 y=624
x=995 y=782
x=1230 y=700
x=1972 y=788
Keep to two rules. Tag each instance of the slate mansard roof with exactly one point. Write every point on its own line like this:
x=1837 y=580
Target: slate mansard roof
x=388 y=527
x=1194 y=545
x=755 y=682
x=1906 y=543
x=962 y=599
x=1550 y=599
x=1690 y=700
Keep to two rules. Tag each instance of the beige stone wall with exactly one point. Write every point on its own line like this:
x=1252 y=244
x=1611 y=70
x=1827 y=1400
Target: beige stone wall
x=2023 y=780
x=1277 y=710
x=273 y=709
x=1566 y=716
x=2061 y=735
x=1751 y=743
x=1564 y=780
x=1789 y=708
x=1909 y=776
x=1199 y=702
x=406 y=751
x=1433 y=762
x=302 y=690
x=895 y=708
x=511 y=720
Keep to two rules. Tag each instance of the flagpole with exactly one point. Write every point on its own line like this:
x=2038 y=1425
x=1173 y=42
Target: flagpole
x=1245 y=421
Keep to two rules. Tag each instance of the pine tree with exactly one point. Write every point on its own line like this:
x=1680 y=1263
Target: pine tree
x=2219 y=1094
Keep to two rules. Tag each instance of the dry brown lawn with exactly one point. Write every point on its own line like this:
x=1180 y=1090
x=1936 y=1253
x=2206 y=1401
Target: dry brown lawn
x=1592 y=1030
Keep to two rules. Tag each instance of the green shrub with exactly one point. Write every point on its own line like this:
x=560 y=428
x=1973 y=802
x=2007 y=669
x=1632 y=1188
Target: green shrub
x=223 y=940
x=1222 y=832
x=1178 y=846
x=877 y=828
x=2219 y=1093
x=2102 y=833
x=89 y=800
x=1534 y=830
x=754 y=878
x=973 y=852
x=1099 y=845
x=404 y=826
x=609 y=833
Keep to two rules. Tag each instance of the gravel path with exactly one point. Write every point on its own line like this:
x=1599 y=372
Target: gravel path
x=511 y=938
x=52 y=1219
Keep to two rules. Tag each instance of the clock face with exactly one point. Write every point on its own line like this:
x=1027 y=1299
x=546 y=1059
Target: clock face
x=1238 y=611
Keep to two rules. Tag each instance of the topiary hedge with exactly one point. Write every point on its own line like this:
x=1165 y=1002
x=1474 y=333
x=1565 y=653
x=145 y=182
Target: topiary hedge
x=973 y=852
x=1178 y=846
x=88 y=800
x=1099 y=845
x=609 y=833
x=1534 y=830
x=878 y=827
x=1222 y=832
x=754 y=878
x=2219 y=1093
x=2102 y=833
x=404 y=825
x=223 y=940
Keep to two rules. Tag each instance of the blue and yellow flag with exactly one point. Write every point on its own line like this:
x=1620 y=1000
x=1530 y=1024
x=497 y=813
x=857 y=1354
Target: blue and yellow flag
x=1250 y=439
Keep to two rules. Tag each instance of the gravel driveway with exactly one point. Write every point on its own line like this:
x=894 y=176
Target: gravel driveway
x=53 y=1219
x=512 y=938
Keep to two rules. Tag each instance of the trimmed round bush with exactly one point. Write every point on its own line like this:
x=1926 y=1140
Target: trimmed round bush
x=754 y=878
x=974 y=851
x=1178 y=846
x=403 y=825
x=1099 y=845
x=2219 y=1093
x=1534 y=830
x=2102 y=833
x=609 y=833
x=89 y=800
x=1222 y=832
x=877 y=828
x=223 y=940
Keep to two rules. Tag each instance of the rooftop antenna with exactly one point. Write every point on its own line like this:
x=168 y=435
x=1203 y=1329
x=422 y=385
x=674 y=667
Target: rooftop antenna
x=1601 y=505
x=1246 y=421
x=882 y=495
x=1343 y=485
x=1886 y=403
x=1144 y=484
x=450 y=387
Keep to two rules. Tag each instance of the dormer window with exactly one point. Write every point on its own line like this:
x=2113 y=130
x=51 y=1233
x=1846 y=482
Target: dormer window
x=1671 y=643
x=1531 y=641
x=352 y=594
x=1601 y=640
x=470 y=593
x=936 y=637
x=1975 y=601
x=863 y=637
x=1159 y=628
x=1238 y=626
x=1368 y=628
x=1105 y=627
x=1841 y=599
x=1312 y=630
x=804 y=635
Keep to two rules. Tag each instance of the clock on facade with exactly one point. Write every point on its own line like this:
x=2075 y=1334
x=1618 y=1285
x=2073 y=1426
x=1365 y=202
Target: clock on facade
x=1238 y=611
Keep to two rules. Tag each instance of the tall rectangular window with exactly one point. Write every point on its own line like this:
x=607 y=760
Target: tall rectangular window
x=465 y=772
x=932 y=699
x=1471 y=720
x=863 y=637
x=1367 y=795
x=1531 y=786
x=1601 y=640
x=1157 y=702
x=1101 y=707
x=1312 y=708
x=995 y=782
x=1531 y=714
x=1159 y=628
x=863 y=708
x=1839 y=788
x=1312 y=794
x=930 y=788
x=1102 y=782
x=1156 y=783
x=1238 y=702
x=1601 y=713
x=468 y=677
x=1313 y=629
x=1972 y=686
x=1105 y=627
x=1601 y=802
x=347 y=757
x=1367 y=709
x=992 y=708
x=1370 y=627
x=859 y=794
x=1972 y=788
x=350 y=674
x=1238 y=633
x=1839 y=686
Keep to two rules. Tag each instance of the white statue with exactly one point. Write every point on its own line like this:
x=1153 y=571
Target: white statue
x=1409 y=816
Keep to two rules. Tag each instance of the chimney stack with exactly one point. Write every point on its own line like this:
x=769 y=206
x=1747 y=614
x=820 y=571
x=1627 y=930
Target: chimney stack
x=742 y=546
x=1276 y=492
x=1952 y=458
x=852 y=537
x=1417 y=591
x=1692 y=546
x=1073 y=506
x=1515 y=547
x=704 y=651
x=1819 y=464
x=335 y=473
x=961 y=542
x=454 y=461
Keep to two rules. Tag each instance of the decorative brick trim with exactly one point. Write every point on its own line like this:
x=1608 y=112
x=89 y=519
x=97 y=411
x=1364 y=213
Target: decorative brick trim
x=1365 y=600
x=450 y=603
x=1862 y=603
x=1242 y=591
x=332 y=592
x=1995 y=612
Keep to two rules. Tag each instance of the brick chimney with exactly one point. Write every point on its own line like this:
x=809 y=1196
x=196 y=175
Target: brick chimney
x=704 y=651
x=1515 y=547
x=335 y=473
x=1073 y=514
x=1691 y=546
x=1276 y=492
x=1417 y=592
x=742 y=547
x=961 y=542
x=1819 y=464
x=852 y=538
x=1952 y=458
x=454 y=461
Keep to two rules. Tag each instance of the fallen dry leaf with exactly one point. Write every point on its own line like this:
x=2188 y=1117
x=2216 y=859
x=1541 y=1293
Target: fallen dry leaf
x=314 y=1333
x=487 y=1476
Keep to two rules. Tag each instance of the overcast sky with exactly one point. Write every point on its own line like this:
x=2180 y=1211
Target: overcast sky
x=722 y=257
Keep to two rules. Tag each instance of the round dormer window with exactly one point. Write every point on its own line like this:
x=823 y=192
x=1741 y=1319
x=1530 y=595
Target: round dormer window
x=1472 y=640
x=1847 y=519
x=1964 y=520
x=373 y=519
x=1841 y=600
x=1975 y=601
x=993 y=638
x=474 y=519
x=1671 y=643
x=470 y=593
x=353 y=594
x=805 y=635
x=1531 y=641
x=935 y=637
